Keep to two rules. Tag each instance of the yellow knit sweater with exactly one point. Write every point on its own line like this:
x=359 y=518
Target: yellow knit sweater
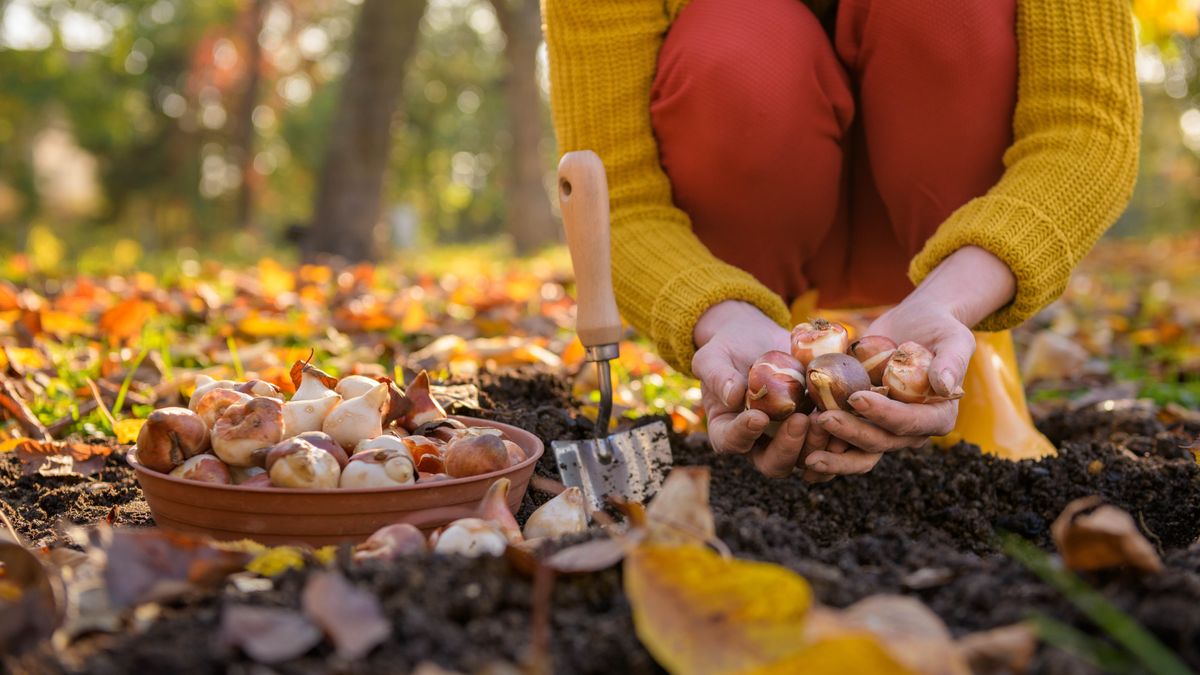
x=1068 y=174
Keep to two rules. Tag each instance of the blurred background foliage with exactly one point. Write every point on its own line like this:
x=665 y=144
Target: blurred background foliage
x=176 y=126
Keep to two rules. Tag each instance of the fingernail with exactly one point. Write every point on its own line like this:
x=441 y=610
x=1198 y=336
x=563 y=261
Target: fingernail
x=727 y=392
x=828 y=421
x=947 y=382
x=821 y=467
x=859 y=402
x=757 y=424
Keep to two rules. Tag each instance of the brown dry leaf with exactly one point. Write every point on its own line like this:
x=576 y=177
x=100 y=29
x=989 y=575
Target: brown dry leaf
x=679 y=513
x=908 y=630
x=590 y=556
x=14 y=407
x=61 y=458
x=702 y=614
x=124 y=320
x=1092 y=535
x=999 y=651
x=268 y=634
x=351 y=616
x=147 y=565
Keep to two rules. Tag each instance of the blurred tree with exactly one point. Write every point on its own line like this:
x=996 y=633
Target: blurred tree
x=251 y=20
x=349 y=193
x=528 y=214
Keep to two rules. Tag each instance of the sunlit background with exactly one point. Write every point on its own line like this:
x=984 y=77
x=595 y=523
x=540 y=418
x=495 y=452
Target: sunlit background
x=133 y=129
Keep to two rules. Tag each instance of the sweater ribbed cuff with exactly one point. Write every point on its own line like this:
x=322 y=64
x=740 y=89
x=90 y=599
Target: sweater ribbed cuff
x=686 y=296
x=1032 y=246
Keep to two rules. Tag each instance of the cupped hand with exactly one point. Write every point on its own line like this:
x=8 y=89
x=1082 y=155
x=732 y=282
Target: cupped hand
x=731 y=336
x=969 y=285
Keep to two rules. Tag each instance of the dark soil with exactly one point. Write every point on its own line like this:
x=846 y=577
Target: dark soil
x=933 y=512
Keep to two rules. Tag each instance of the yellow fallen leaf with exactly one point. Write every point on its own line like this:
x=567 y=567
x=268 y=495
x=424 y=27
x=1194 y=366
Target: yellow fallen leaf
x=276 y=560
x=701 y=614
x=62 y=324
x=127 y=430
x=11 y=444
x=860 y=654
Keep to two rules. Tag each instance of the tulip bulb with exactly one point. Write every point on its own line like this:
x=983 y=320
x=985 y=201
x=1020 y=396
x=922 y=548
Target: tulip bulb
x=357 y=418
x=325 y=442
x=312 y=385
x=205 y=384
x=307 y=414
x=563 y=515
x=817 y=337
x=259 y=480
x=205 y=469
x=515 y=454
x=873 y=352
x=213 y=403
x=388 y=467
x=353 y=386
x=422 y=407
x=475 y=455
x=259 y=388
x=241 y=474
x=170 y=437
x=832 y=378
x=247 y=427
x=299 y=464
x=775 y=385
x=472 y=537
x=391 y=542
x=494 y=507
x=384 y=442
x=907 y=375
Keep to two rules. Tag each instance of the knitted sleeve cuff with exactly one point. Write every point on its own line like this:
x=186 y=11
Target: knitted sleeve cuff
x=1032 y=246
x=687 y=295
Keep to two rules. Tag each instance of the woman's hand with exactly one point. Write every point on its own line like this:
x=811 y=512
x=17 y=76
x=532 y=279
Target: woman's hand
x=731 y=336
x=968 y=286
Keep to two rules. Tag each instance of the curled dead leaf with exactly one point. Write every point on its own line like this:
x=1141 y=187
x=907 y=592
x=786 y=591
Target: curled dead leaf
x=1092 y=535
x=351 y=617
x=680 y=513
x=147 y=565
x=60 y=458
x=999 y=651
x=909 y=631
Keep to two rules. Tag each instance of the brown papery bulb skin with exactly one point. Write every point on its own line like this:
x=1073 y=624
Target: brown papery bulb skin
x=775 y=385
x=907 y=374
x=247 y=427
x=832 y=378
x=259 y=388
x=213 y=403
x=814 y=338
x=391 y=542
x=873 y=352
x=204 y=469
x=325 y=442
x=170 y=437
x=259 y=480
x=422 y=407
x=475 y=455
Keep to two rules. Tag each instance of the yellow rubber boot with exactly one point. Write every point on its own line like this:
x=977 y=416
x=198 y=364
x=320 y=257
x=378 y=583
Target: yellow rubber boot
x=992 y=413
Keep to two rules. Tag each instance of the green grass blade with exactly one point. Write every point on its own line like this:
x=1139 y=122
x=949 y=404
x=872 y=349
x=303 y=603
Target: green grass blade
x=127 y=382
x=1098 y=653
x=1120 y=626
x=237 y=361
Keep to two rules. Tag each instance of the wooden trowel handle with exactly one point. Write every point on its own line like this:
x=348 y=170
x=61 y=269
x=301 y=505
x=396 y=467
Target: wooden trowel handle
x=583 y=196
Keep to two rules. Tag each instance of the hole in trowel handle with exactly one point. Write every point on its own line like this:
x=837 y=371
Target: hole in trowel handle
x=604 y=453
x=564 y=186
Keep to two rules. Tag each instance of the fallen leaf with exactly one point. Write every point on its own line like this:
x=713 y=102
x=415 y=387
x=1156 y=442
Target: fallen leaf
x=911 y=633
x=1051 y=356
x=857 y=654
x=679 y=513
x=14 y=406
x=351 y=617
x=590 y=556
x=268 y=634
x=1092 y=535
x=127 y=430
x=702 y=614
x=61 y=458
x=999 y=651
x=148 y=565
x=124 y=320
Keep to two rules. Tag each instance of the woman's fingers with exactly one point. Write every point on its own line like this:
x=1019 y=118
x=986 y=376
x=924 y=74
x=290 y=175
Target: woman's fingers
x=864 y=435
x=848 y=463
x=735 y=433
x=719 y=379
x=905 y=419
x=778 y=457
x=951 y=355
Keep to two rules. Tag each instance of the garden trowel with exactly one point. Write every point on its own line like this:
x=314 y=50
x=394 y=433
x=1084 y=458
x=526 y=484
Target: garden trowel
x=629 y=464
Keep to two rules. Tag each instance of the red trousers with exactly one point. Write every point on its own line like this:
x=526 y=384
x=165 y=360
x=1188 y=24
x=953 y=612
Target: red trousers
x=819 y=162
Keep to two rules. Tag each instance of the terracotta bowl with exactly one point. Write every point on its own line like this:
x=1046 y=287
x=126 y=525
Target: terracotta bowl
x=319 y=517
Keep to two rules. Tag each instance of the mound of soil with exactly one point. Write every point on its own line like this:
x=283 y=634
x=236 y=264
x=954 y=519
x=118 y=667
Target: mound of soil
x=922 y=523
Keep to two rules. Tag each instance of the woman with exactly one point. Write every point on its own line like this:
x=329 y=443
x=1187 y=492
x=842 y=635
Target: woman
x=954 y=157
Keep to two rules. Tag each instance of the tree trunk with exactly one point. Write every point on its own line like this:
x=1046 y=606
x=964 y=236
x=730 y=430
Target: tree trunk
x=349 y=193
x=530 y=219
x=243 y=141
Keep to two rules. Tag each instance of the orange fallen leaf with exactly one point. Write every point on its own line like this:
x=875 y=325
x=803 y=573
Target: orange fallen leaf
x=124 y=320
x=1092 y=535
